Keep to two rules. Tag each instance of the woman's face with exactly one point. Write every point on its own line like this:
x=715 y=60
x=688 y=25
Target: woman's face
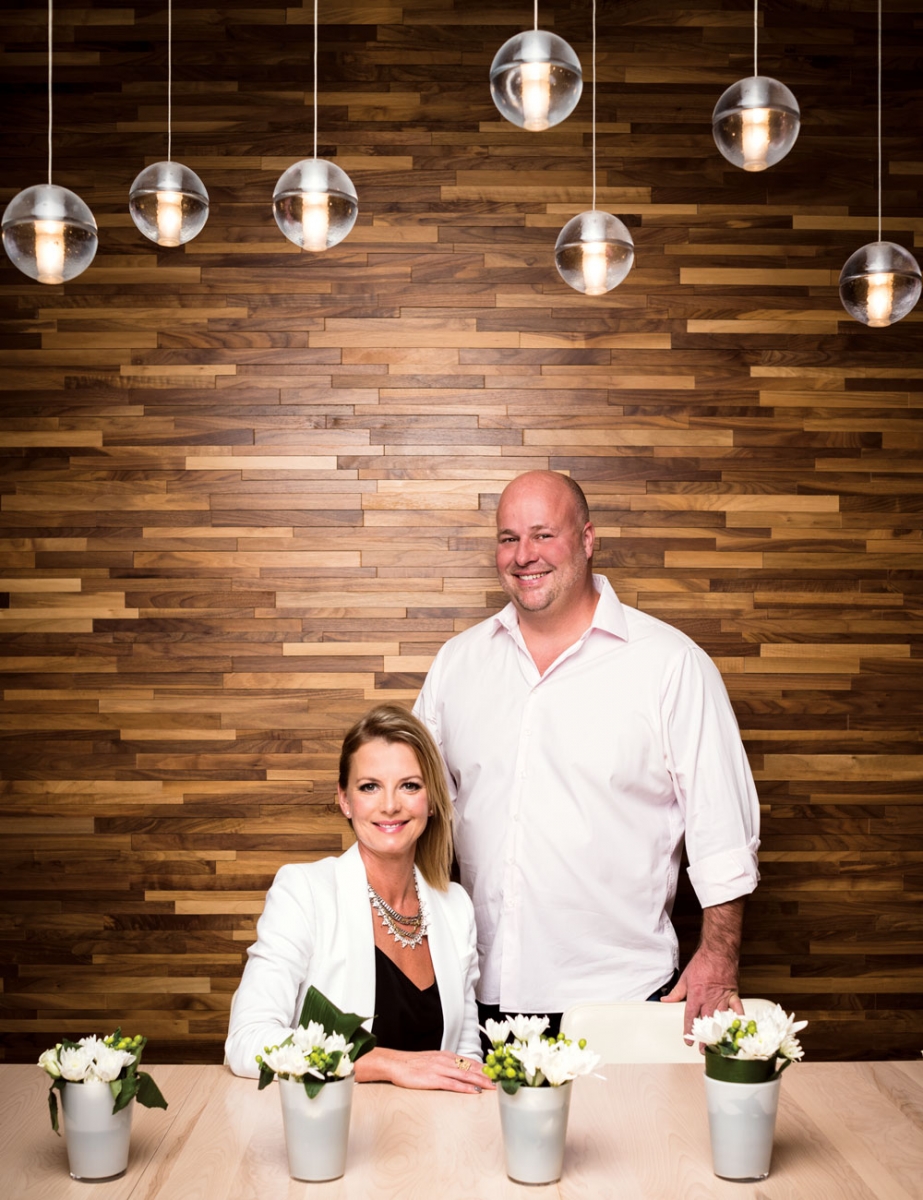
x=385 y=798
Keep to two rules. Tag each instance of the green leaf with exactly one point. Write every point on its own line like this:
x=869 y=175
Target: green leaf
x=115 y=1087
x=267 y=1075
x=149 y=1094
x=53 y=1104
x=510 y=1086
x=126 y=1093
x=312 y=1086
x=317 y=1007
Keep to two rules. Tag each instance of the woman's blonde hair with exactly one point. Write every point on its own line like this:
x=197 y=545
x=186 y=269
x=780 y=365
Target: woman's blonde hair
x=391 y=723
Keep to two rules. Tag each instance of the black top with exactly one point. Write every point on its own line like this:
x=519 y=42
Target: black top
x=406 y=1017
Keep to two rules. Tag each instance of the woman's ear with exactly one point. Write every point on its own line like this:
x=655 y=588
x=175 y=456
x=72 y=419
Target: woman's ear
x=343 y=803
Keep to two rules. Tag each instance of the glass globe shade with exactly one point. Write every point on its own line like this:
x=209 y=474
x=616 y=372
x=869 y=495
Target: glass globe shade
x=168 y=203
x=536 y=79
x=315 y=204
x=880 y=284
x=49 y=233
x=756 y=122
x=594 y=252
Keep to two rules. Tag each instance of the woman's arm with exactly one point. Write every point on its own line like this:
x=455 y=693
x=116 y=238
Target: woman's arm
x=433 y=1069
x=263 y=1008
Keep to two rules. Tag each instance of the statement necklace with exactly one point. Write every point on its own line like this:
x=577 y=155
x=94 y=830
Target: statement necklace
x=392 y=920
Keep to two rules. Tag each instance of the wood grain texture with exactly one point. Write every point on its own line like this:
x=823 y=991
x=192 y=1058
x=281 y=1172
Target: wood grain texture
x=247 y=491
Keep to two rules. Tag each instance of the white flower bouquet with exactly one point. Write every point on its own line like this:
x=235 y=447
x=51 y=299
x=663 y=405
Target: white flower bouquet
x=319 y=1051
x=749 y=1049
x=114 y=1060
x=531 y=1059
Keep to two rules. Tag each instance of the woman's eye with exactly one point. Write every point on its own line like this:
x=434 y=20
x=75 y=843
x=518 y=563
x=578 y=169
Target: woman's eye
x=366 y=787
x=410 y=786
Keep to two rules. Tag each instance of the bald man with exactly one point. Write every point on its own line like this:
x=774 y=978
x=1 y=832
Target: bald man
x=584 y=742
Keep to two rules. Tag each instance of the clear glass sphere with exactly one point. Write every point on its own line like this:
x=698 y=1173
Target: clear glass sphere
x=594 y=252
x=315 y=204
x=756 y=122
x=168 y=203
x=49 y=233
x=536 y=79
x=880 y=284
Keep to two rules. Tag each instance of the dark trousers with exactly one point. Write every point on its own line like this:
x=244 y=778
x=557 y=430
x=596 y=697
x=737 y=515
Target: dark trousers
x=493 y=1012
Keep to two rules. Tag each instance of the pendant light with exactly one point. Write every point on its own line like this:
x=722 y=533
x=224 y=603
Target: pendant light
x=168 y=202
x=535 y=79
x=881 y=282
x=48 y=231
x=315 y=203
x=756 y=121
x=594 y=251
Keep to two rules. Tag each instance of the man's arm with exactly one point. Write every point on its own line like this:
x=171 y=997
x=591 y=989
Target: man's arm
x=709 y=982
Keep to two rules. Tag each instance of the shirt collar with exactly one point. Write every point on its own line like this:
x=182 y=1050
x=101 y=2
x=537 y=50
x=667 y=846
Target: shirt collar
x=609 y=616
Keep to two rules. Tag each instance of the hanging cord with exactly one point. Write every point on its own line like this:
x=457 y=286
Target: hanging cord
x=49 y=90
x=879 y=120
x=755 y=25
x=315 y=77
x=536 y=14
x=169 y=80
x=594 y=105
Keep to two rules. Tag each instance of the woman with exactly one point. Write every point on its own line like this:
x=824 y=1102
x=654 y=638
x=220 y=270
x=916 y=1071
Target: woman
x=378 y=930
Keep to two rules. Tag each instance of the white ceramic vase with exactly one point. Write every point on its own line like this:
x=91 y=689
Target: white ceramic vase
x=97 y=1139
x=741 y=1122
x=316 y=1131
x=534 y=1125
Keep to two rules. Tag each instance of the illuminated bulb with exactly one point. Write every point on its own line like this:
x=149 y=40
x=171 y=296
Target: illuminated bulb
x=49 y=251
x=880 y=300
x=315 y=221
x=594 y=268
x=755 y=138
x=169 y=218
x=536 y=95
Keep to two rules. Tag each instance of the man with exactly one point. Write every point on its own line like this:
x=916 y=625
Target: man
x=583 y=740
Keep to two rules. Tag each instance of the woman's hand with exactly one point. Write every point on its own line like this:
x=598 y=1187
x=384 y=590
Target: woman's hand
x=437 y=1070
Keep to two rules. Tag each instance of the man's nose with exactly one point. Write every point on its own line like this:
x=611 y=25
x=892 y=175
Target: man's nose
x=525 y=551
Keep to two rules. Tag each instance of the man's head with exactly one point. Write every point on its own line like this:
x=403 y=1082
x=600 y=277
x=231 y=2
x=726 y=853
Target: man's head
x=544 y=543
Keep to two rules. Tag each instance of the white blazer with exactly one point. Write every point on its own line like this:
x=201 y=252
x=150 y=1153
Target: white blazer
x=316 y=928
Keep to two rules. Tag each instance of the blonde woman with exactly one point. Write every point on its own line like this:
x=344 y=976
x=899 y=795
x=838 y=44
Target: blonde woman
x=378 y=930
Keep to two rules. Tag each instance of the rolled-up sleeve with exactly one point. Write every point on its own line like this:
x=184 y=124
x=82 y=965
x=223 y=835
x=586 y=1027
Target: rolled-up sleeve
x=712 y=779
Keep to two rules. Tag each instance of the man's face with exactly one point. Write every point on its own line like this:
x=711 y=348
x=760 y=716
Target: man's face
x=543 y=551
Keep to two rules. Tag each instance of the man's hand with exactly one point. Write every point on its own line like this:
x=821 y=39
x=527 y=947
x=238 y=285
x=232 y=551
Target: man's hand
x=709 y=982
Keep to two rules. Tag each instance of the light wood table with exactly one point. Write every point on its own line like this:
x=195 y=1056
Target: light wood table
x=845 y=1131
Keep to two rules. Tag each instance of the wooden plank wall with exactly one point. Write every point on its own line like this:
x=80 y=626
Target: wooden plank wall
x=249 y=491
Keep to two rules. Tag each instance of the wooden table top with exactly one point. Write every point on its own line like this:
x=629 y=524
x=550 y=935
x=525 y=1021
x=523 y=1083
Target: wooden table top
x=846 y=1131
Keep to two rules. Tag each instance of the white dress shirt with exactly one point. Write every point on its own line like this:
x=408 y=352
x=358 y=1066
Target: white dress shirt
x=574 y=790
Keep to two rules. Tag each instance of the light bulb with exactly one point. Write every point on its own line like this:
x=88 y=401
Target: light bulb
x=594 y=265
x=49 y=251
x=315 y=221
x=536 y=95
x=169 y=218
x=755 y=138
x=880 y=300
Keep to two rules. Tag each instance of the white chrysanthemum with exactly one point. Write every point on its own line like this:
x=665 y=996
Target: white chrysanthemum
x=711 y=1030
x=523 y=1028
x=75 y=1062
x=336 y=1042
x=762 y=1044
x=791 y=1047
x=308 y=1037
x=49 y=1062
x=497 y=1031
x=563 y=1062
x=344 y=1067
x=285 y=1060
x=531 y=1053
x=108 y=1063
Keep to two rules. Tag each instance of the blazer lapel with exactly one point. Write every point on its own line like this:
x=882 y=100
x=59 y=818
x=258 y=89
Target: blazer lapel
x=445 y=964
x=354 y=913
